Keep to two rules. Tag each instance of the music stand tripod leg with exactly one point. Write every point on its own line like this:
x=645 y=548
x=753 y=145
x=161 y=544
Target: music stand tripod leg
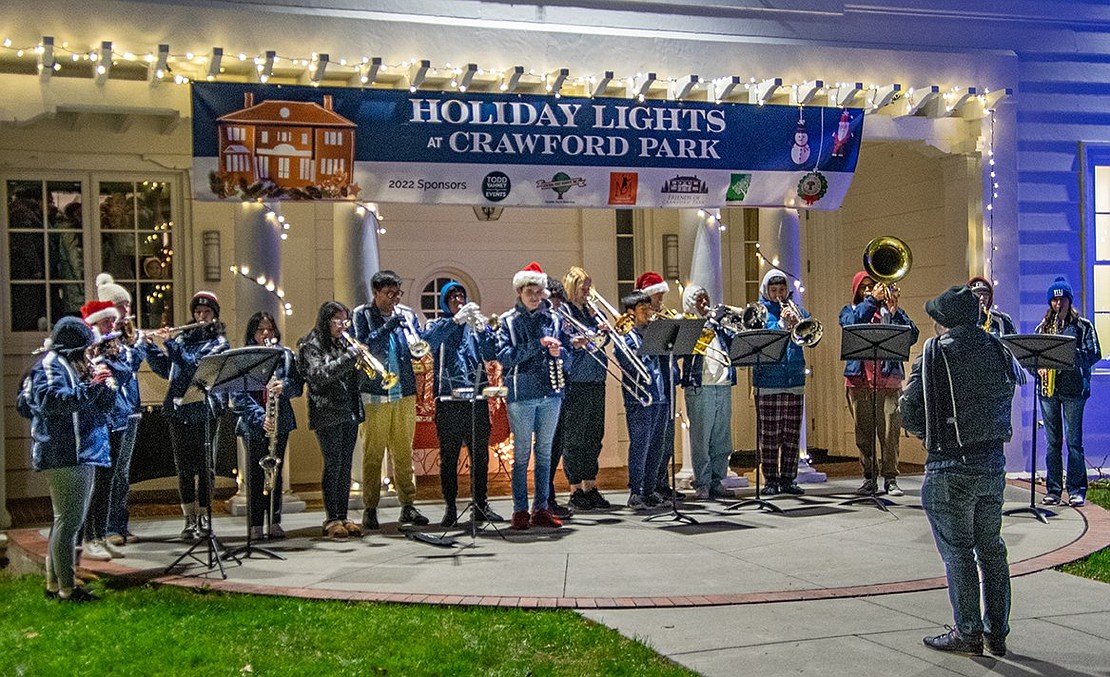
x=1033 y=509
x=674 y=515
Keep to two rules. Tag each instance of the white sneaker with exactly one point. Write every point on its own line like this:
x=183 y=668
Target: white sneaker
x=94 y=550
x=114 y=550
x=1076 y=500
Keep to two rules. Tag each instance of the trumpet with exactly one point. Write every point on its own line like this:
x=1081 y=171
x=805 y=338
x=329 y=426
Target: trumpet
x=369 y=364
x=805 y=332
x=595 y=343
x=480 y=323
x=418 y=347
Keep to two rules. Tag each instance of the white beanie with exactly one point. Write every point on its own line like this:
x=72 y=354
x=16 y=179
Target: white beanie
x=690 y=297
x=108 y=290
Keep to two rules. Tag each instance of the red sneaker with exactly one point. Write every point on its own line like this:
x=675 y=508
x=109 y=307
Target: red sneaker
x=521 y=520
x=545 y=518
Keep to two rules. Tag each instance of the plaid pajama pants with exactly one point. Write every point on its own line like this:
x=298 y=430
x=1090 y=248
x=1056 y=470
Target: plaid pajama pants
x=780 y=427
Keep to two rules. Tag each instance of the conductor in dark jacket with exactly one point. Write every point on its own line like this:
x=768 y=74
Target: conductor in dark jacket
x=958 y=401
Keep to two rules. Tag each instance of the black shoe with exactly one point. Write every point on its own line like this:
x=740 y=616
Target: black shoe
x=560 y=511
x=410 y=515
x=953 y=642
x=791 y=488
x=485 y=513
x=450 y=517
x=668 y=493
x=79 y=594
x=996 y=645
x=769 y=489
x=868 y=488
x=718 y=491
x=49 y=594
x=370 y=519
x=653 y=500
x=580 y=501
x=598 y=501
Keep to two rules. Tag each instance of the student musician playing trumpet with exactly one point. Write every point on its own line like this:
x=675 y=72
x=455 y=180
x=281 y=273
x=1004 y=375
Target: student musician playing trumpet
x=779 y=389
x=391 y=331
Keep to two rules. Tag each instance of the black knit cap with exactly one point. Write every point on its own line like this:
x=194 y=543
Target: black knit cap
x=70 y=334
x=957 y=305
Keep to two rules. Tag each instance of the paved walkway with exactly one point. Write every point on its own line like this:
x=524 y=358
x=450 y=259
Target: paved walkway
x=854 y=588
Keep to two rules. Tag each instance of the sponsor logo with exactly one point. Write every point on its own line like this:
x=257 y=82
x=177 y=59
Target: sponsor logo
x=738 y=187
x=496 y=186
x=685 y=191
x=622 y=188
x=561 y=183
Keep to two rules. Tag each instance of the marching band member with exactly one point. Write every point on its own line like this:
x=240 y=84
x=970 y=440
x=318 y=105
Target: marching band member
x=256 y=429
x=101 y=316
x=999 y=323
x=462 y=343
x=387 y=328
x=1062 y=408
x=653 y=284
x=707 y=385
x=187 y=421
x=328 y=364
x=859 y=378
x=69 y=411
x=127 y=413
x=779 y=390
x=646 y=424
x=582 y=418
x=530 y=349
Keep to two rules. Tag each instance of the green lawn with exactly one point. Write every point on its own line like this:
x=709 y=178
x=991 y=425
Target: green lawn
x=168 y=631
x=1095 y=565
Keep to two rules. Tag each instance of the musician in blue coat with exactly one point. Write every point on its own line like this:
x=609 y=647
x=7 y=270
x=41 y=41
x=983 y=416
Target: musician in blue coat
x=188 y=421
x=257 y=430
x=68 y=402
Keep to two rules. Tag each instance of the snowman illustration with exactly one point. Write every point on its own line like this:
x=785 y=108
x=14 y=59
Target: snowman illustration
x=799 y=152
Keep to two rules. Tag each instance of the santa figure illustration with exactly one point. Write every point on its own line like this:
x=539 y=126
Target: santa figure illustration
x=799 y=152
x=841 y=135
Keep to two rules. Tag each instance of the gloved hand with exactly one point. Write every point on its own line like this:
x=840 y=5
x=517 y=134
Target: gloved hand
x=466 y=313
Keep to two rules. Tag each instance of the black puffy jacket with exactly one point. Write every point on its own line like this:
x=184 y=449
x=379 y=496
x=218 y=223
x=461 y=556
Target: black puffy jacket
x=959 y=393
x=328 y=368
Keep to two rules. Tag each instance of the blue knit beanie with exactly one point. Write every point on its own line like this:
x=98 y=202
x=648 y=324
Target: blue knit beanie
x=1060 y=288
x=70 y=335
x=446 y=291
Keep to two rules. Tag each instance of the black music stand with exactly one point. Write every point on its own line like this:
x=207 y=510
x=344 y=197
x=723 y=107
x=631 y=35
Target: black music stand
x=1035 y=352
x=669 y=338
x=242 y=369
x=753 y=349
x=875 y=343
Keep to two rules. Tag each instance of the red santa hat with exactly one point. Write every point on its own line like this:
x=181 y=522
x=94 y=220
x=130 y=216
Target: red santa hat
x=530 y=274
x=95 y=311
x=652 y=283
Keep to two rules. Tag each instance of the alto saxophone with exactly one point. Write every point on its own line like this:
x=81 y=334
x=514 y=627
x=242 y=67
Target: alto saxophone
x=270 y=462
x=1048 y=381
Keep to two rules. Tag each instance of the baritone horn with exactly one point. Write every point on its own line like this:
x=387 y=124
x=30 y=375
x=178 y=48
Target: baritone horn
x=887 y=260
x=806 y=332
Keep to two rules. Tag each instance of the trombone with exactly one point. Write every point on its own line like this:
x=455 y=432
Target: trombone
x=595 y=343
x=369 y=364
x=621 y=324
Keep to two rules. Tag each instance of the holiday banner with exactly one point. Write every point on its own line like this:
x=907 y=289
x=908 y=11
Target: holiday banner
x=278 y=142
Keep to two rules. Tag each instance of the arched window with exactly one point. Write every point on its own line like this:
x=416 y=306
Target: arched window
x=429 y=297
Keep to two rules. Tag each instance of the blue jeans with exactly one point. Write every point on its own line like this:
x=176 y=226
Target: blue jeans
x=118 y=517
x=710 y=412
x=963 y=502
x=527 y=418
x=70 y=493
x=646 y=429
x=1072 y=419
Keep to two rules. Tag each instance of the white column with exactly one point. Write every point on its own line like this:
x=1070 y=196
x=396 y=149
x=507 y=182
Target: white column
x=780 y=236
x=5 y=518
x=258 y=251
x=355 y=259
